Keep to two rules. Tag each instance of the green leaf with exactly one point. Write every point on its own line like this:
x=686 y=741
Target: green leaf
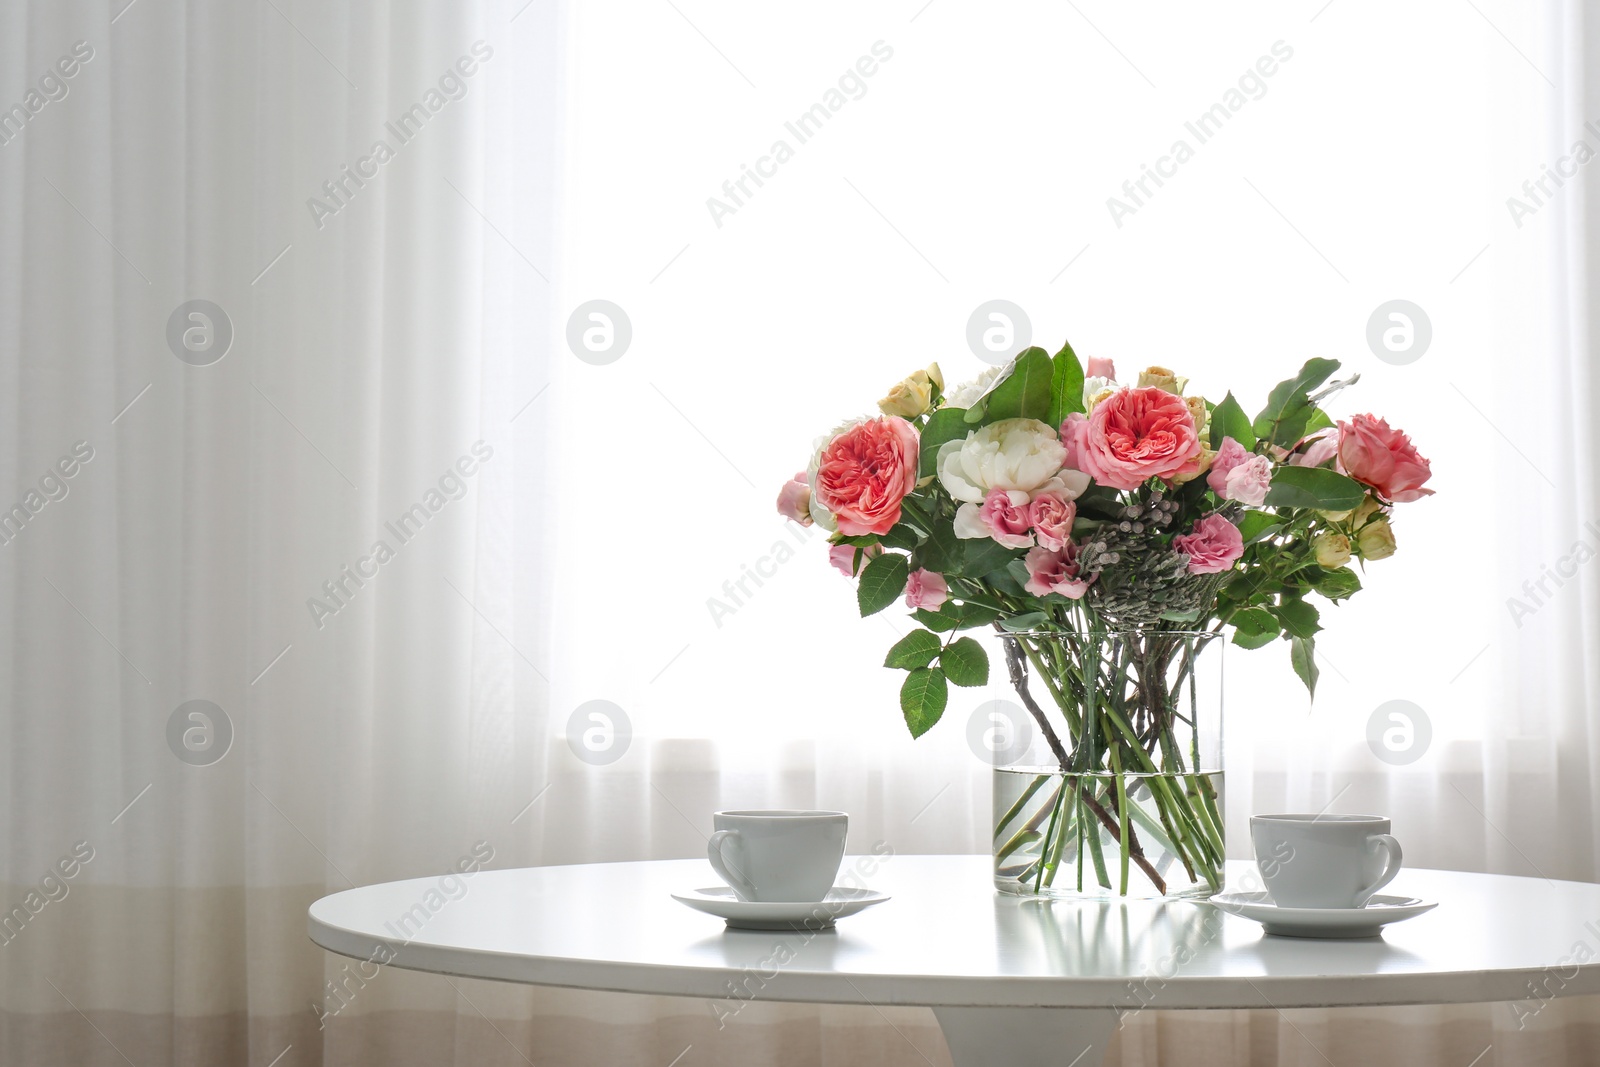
x=965 y=662
x=946 y=424
x=1314 y=487
x=975 y=615
x=902 y=535
x=953 y=616
x=1026 y=621
x=1340 y=583
x=1302 y=655
x=974 y=415
x=1229 y=420
x=1255 y=621
x=923 y=698
x=916 y=649
x=1298 y=617
x=1244 y=640
x=1283 y=421
x=937 y=621
x=942 y=552
x=1258 y=525
x=1066 y=386
x=1026 y=392
x=883 y=579
x=1319 y=420
x=985 y=554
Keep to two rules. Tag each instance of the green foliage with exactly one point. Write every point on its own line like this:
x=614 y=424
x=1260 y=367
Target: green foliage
x=1341 y=583
x=1026 y=391
x=1066 y=386
x=1289 y=408
x=955 y=617
x=1229 y=420
x=1298 y=618
x=1259 y=525
x=946 y=424
x=965 y=662
x=916 y=649
x=923 y=698
x=1314 y=487
x=883 y=579
x=1302 y=655
x=1024 y=622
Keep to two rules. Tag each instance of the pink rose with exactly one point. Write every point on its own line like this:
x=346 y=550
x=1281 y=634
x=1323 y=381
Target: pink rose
x=1055 y=571
x=926 y=590
x=1249 y=481
x=843 y=557
x=794 y=499
x=864 y=473
x=1100 y=367
x=1006 y=516
x=1229 y=455
x=1073 y=432
x=1138 y=434
x=1052 y=515
x=1320 y=447
x=1213 y=546
x=1374 y=454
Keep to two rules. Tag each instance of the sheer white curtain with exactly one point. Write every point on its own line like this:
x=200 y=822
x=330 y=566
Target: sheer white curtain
x=202 y=489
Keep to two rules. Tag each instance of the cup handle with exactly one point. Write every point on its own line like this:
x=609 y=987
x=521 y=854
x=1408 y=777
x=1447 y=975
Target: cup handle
x=742 y=887
x=1391 y=868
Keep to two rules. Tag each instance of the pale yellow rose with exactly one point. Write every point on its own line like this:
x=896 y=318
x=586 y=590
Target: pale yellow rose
x=1355 y=517
x=1375 y=540
x=1201 y=415
x=1206 y=457
x=1332 y=549
x=914 y=395
x=1162 y=378
x=1090 y=399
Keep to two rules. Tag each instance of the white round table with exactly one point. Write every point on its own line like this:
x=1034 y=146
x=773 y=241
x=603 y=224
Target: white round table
x=1011 y=981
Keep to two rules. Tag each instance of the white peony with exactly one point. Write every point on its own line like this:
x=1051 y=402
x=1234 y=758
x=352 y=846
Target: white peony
x=1023 y=455
x=969 y=393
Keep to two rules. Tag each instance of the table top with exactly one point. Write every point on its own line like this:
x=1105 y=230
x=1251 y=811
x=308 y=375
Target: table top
x=947 y=939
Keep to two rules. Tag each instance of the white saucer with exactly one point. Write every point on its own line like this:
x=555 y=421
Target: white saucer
x=1321 y=922
x=777 y=915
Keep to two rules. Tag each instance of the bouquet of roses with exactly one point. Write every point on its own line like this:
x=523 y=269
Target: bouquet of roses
x=1046 y=498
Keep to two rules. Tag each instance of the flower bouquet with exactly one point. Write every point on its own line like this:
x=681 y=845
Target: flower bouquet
x=1109 y=534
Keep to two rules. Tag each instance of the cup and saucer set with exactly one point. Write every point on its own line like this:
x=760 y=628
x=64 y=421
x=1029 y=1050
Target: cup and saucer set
x=779 y=866
x=1322 y=876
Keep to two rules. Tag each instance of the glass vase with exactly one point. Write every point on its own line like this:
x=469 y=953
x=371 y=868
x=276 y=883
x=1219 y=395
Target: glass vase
x=1119 y=792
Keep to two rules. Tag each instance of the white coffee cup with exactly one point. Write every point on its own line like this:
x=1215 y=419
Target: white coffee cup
x=1324 y=861
x=778 y=854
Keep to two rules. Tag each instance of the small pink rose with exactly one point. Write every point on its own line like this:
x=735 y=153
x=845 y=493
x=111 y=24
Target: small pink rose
x=1073 y=432
x=1052 y=515
x=1229 y=455
x=843 y=557
x=1100 y=367
x=1319 y=448
x=794 y=499
x=1213 y=546
x=926 y=590
x=1373 y=453
x=1055 y=571
x=1249 y=481
x=1006 y=516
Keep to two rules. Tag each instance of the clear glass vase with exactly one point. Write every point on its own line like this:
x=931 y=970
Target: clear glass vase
x=1119 y=793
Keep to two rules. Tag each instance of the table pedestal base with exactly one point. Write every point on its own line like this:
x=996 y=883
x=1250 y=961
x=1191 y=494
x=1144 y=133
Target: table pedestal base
x=1027 y=1037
